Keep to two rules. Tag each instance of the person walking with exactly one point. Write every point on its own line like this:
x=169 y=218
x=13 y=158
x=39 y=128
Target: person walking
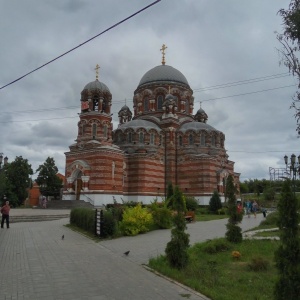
x=254 y=207
x=5 y=214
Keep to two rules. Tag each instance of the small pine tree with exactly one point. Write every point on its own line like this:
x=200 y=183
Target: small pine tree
x=176 y=250
x=170 y=194
x=234 y=232
x=287 y=256
x=215 y=202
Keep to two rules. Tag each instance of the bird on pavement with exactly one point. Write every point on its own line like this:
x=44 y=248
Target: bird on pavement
x=62 y=237
x=126 y=253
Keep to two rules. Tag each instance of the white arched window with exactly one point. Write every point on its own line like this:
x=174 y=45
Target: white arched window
x=105 y=131
x=152 y=138
x=191 y=139
x=141 y=137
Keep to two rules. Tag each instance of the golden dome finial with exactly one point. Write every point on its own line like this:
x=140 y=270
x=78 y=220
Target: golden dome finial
x=97 y=71
x=163 y=48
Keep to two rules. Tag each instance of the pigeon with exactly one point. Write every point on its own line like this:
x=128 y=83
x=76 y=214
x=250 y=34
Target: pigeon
x=126 y=253
x=62 y=237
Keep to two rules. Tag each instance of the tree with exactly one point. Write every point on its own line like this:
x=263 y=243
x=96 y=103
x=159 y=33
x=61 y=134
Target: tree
x=170 y=194
x=18 y=180
x=50 y=184
x=176 y=250
x=234 y=232
x=215 y=202
x=290 y=42
x=287 y=256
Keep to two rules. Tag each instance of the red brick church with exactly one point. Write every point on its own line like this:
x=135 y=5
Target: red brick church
x=161 y=141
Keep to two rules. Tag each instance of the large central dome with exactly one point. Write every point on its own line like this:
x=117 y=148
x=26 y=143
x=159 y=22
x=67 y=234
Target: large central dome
x=163 y=73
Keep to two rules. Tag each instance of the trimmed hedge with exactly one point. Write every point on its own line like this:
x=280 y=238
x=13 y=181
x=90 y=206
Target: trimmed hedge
x=84 y=218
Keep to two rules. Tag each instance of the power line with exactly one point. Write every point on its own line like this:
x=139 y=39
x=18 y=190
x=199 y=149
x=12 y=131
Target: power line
x=244 y=94
x=115 y=25
x=241 y=82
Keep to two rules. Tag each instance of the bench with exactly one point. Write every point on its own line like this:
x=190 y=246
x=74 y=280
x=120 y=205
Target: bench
x=189 y=218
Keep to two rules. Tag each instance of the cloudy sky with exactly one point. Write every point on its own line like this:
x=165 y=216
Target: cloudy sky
x=212 y=42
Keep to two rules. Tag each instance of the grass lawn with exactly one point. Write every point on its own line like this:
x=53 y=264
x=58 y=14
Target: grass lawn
x=209 y=217
x=272 y=233
x=221 y=277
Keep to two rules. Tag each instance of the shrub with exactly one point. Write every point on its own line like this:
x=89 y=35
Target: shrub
x=258 y=264
x=222 y=211
x=215 y=202
x=191 y=203
x=162 y=217
x=271 y=219
x=234 y=233
x=109 y=224
x=215 y=246
x=83 y=218
x=136 y=220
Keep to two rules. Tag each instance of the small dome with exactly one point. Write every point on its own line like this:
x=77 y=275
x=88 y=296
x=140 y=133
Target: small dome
x=201 y=116
x=96 y=85
x=196 y=126
x=163 y=73
x=139 y=123
x=125 y=108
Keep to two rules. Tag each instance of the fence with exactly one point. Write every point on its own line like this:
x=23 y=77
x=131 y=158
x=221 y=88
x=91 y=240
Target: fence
x=99 y=223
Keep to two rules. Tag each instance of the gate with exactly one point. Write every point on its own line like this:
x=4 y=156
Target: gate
x=99 y=223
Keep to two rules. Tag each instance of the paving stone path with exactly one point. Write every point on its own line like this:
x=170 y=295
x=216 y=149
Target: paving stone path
x=36 y=263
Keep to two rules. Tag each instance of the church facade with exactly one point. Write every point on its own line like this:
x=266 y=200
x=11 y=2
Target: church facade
x=162 y=141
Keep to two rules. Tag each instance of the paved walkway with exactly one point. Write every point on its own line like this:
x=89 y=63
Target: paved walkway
x=36 y=263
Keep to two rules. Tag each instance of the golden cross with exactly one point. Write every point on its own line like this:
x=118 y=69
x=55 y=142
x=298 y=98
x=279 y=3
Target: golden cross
x=97 y=71
x=163 y=48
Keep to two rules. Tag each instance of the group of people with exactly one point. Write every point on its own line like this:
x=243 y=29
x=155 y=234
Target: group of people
x=250 y=207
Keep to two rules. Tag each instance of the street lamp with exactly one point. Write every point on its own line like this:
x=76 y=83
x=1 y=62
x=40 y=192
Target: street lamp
x=294 y=167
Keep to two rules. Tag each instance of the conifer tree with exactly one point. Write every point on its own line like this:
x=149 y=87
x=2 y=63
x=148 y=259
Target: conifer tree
x=234 y=232
x=176 y=250
x=215 y=202
x=287 y=256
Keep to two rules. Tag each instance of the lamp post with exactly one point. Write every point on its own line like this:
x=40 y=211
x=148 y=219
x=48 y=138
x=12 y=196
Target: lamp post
x=294 y=167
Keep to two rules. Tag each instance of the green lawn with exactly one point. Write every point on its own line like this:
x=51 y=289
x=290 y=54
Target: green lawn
x=220 y=277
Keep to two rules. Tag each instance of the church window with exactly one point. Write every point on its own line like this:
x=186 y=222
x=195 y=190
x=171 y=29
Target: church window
x=103 y=105
x=105 y=131
x=94 y=130
x=95 y=103
x=152 y=138
x=146 y=104
x=141 y=137
x=129 y=137
x=82 y=129
x=180 y=140
x=202 y=139
x=213 y=141
x=176 y=100
x=119 y=137
x=191 y=139
x=159 y=102
x=187 y=106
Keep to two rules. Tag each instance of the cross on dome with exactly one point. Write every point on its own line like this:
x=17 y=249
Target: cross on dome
x=163 y=48
x=97 y=71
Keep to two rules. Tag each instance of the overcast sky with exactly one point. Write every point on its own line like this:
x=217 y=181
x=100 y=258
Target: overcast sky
x=212 y=42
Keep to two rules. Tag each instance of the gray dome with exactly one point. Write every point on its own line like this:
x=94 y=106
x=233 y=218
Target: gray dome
x=96 y=85
x=196 y=126
x=163 y=73
x=139 y=123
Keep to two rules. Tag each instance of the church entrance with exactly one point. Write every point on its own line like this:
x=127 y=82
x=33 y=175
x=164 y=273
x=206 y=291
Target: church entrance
x=77 y=184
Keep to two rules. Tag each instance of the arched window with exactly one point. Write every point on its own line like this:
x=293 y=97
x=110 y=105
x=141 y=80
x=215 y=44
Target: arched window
x=160 y=99
x=176 y=100
x=180 y=140
x=146 y=104
x=141 y=137
x=152 y=138
x=191 y=139
x=187 y=106
x=202 y=139
x=213 y=140
x=105 y=131
x=94 y=130
x=129 y=137
x=82 y=128
x=95 y=103
x=119 y=137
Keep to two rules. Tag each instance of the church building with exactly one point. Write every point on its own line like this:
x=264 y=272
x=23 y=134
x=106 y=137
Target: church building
x=160 y=141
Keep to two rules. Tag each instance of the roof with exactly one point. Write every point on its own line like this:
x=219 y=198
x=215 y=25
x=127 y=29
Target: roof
x=96 y=85
x=163 y=73
x=139 y=123
x=196 y=126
